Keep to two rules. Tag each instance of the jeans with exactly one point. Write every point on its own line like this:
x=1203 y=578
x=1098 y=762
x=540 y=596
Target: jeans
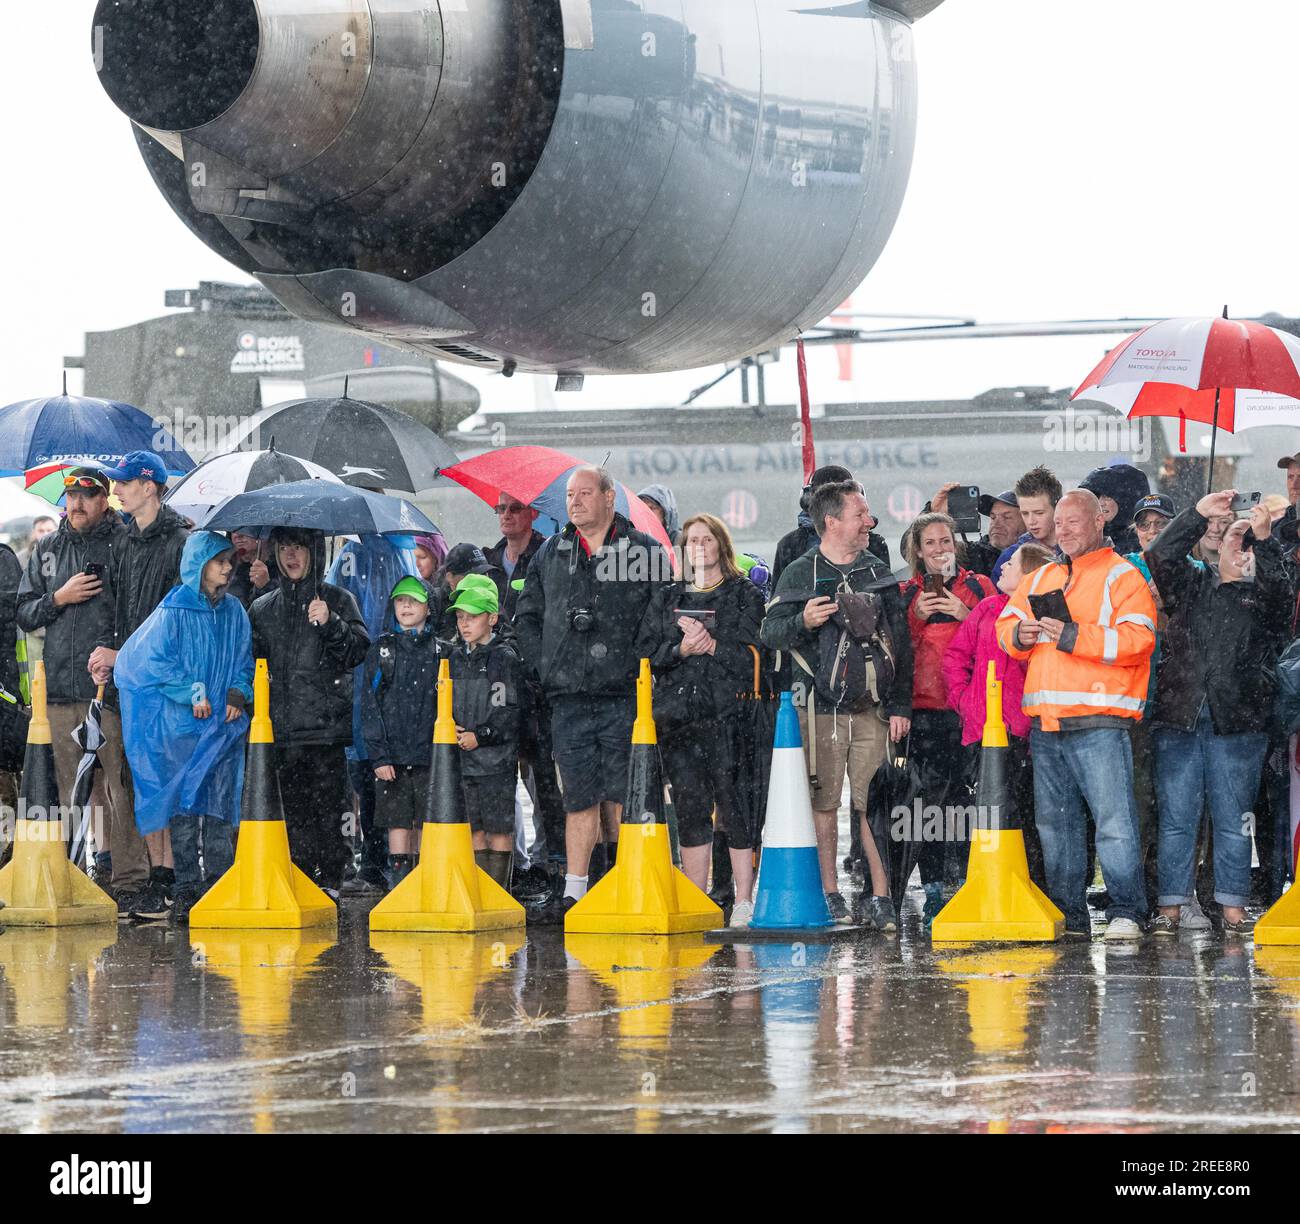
x=218 y=849
x=1191 y=767
x=1097 y=766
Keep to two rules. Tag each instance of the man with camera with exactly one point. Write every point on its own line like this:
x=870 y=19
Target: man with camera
x=839 y=617
x=68 y=591
x=588 y=613
x=1087 y=626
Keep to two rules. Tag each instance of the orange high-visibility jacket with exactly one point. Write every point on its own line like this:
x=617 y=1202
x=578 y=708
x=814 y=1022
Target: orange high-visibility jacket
x=1101 y=664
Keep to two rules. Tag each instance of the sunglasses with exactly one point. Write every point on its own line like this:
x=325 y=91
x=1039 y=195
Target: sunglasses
x=514 y=508
x=88 y=483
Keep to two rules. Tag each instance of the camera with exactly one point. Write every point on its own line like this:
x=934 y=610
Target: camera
x=582 y=620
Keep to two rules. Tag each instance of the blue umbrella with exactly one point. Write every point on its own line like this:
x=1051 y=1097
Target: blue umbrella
x=37 y=431
x=319 y=505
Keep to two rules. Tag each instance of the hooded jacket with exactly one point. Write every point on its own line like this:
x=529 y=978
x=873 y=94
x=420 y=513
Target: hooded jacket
x=1221 y=639
x=486 y=696
x=74 y=630
x=399 y=696
x=783 y=628
x=1126 y=485
x=148 y=566
x=311 y=667
x=966 y=668
x=666 y=500
x=1096 y=674
x=622 y=586
x=188 y=649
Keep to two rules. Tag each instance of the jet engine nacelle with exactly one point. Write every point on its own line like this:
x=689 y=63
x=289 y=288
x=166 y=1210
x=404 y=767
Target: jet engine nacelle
x=585 y=186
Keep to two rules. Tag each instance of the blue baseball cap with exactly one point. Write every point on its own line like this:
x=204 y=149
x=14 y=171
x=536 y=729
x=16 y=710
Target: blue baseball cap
x=140 y=465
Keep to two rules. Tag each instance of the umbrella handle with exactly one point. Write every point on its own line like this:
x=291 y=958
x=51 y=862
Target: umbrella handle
x=99 y=693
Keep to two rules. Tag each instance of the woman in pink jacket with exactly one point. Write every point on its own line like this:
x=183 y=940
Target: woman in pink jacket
x=965 y=671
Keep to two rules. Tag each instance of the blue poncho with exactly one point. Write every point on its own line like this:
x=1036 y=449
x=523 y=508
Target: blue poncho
x=187 y=647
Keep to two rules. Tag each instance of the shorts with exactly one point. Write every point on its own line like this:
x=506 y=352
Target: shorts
x=400 y=804
x=846 y=743
x=490 y=803
x=591 y=738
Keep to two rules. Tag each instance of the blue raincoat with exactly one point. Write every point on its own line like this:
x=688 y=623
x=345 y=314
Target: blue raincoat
x=181 y=764
x=369 y=568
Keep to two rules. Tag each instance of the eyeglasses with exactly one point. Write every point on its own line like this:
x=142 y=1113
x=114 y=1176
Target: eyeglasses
x=513 y=508
x=83 y=482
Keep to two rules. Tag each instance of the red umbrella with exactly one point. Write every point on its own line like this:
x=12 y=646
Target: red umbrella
x=538 y=477
x=1198 y=369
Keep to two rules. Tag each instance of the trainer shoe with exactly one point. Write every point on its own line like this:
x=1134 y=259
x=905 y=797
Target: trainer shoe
x=741 y=914
x=368 y=881
x=1122 y=930
x=933 y=903
x=183 y=900
x=152 y=903
x=1192 y=917
x=880 y=914
x=839 y=908
x=1243 y=926
x=1162 y=924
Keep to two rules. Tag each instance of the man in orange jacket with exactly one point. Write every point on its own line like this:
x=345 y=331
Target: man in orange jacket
x=1085 y=688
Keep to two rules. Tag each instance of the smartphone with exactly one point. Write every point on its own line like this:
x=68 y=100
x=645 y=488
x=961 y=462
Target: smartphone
x=1244 y=503
x=964 y=508
x=827 y=587
x=95 y=569
x=708 y=617
x=1051 y=604
x=934 y=584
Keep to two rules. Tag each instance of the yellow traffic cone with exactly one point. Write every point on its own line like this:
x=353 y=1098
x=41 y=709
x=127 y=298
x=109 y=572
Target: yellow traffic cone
x=42 y=968
x=263 y=890
x=644 y=894
x=998 y=901
x=1280 y=925
x=39 y=886
x=1000 y=984
x=263 y=967
x=447 y=891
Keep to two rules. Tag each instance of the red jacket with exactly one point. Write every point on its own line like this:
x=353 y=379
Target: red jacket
x=930 y=639
x=966 y=668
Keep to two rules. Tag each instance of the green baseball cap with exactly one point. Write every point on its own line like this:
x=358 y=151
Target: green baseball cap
x=476 y=597
x=412 y=587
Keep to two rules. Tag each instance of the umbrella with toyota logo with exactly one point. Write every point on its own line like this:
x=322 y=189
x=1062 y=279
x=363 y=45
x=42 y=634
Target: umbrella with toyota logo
x=224 y=476
x=1230 y=374
x=365 y=445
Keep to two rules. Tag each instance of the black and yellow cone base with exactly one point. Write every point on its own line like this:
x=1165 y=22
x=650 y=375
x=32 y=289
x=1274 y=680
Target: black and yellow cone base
x=39 y=886
x=1279 y=926
x=263 y=967
x=1000 y=984
x=998 y=902
x=644 y=894
x=447 y=891
x=42 y=969
x=263 y=889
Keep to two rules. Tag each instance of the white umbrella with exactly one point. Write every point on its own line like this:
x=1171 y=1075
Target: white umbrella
x=238 y=472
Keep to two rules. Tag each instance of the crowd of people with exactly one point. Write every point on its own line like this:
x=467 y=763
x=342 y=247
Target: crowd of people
x=1136 y=643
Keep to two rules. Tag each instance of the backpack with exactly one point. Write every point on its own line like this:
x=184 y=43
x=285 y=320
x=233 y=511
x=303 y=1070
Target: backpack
x=854 y=664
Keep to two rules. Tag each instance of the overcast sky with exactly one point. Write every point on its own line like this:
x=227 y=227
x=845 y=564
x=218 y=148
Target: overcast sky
x=1074 y=160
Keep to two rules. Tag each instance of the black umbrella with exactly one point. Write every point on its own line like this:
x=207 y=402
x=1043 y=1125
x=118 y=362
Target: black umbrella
x=320 y=505
x=90 y=739
x=364 y=444
x=893 y=816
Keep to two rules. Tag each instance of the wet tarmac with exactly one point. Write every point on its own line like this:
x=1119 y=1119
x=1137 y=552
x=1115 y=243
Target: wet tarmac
x=140 y=1029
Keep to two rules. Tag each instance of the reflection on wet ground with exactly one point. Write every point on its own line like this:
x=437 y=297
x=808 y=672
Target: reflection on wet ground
x=146 y=1029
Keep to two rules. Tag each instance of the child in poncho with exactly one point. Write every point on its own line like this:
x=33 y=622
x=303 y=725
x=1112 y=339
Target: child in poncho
x=184 y=678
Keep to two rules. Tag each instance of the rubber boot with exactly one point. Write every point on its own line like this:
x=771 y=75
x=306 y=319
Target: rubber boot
x=399 y=867
x=500 y=865
x=483 y=860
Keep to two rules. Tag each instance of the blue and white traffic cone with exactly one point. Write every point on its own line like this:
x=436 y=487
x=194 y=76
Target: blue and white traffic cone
x=790 y=896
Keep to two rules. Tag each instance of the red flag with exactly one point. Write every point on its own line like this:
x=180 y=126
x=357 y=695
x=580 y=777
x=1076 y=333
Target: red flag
x=805 y=417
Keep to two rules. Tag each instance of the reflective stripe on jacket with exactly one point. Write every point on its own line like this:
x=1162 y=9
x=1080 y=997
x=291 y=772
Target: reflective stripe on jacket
x=1101 y=665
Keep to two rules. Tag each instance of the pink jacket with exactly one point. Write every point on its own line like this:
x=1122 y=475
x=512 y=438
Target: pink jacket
x=966 y=665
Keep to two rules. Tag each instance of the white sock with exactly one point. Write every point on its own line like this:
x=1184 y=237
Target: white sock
x=575 y=887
